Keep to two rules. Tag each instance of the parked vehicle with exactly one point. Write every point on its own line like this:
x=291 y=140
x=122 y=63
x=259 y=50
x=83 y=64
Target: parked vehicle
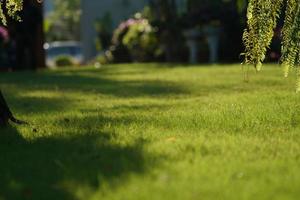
x=71 y=49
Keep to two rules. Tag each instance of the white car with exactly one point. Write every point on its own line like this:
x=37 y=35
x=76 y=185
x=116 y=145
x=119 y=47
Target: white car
x=71 y=49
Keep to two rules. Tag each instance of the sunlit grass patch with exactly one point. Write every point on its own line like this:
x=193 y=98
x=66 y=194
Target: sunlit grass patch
x=151 y=131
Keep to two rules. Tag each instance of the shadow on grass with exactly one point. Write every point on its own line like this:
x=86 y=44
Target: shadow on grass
x=81 y=81
x=39 y=105
x=111 y=81
x=92 y=83
x=54 y=167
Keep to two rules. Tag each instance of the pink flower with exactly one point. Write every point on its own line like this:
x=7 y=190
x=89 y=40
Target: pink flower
x=130 y=22
x=4 y=33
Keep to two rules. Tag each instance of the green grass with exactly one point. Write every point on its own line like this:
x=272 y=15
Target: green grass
x=133 y=132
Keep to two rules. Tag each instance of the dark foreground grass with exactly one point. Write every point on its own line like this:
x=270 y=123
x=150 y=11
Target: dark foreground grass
x=151 y=132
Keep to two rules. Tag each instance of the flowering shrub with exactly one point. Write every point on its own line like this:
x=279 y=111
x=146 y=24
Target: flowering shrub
x=137 y=37
x=4 y=47
x=4 y=35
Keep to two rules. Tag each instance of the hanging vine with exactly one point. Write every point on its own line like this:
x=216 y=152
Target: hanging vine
x=262 y=16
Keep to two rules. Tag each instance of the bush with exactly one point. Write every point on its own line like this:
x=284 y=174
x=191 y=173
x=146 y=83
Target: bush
x=104 y=58
x=62 y=61
x=135 y=38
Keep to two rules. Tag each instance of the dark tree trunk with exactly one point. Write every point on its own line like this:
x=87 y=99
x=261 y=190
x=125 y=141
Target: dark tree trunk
x=5 y=113
x=27 y=37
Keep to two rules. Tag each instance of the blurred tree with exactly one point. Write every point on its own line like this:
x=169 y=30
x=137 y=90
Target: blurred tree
x=262 y=18
x=103 y=28
x=64 y=21
x=165 y=16
x=27 y=37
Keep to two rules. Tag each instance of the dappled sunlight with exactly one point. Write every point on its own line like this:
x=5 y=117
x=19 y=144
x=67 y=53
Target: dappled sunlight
x=146 y=100
x=98 y=84
x=122 y=131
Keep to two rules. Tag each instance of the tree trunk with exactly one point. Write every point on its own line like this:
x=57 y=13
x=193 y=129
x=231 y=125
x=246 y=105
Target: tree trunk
x=27 y=38
x=5 y=113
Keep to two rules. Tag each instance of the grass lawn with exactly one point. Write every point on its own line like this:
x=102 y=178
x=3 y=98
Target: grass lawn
x=151 y=131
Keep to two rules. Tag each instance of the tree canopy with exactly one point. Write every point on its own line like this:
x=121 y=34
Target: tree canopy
x=262 y=18
x=64 y=20
x=12 y=7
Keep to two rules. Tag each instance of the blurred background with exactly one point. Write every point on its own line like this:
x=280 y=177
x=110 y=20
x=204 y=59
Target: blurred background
x=84 y=32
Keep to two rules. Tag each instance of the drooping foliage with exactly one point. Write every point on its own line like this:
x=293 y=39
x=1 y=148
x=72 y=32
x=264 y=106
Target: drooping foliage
x=12 y=7
x=291 y=36
x=262 y=17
